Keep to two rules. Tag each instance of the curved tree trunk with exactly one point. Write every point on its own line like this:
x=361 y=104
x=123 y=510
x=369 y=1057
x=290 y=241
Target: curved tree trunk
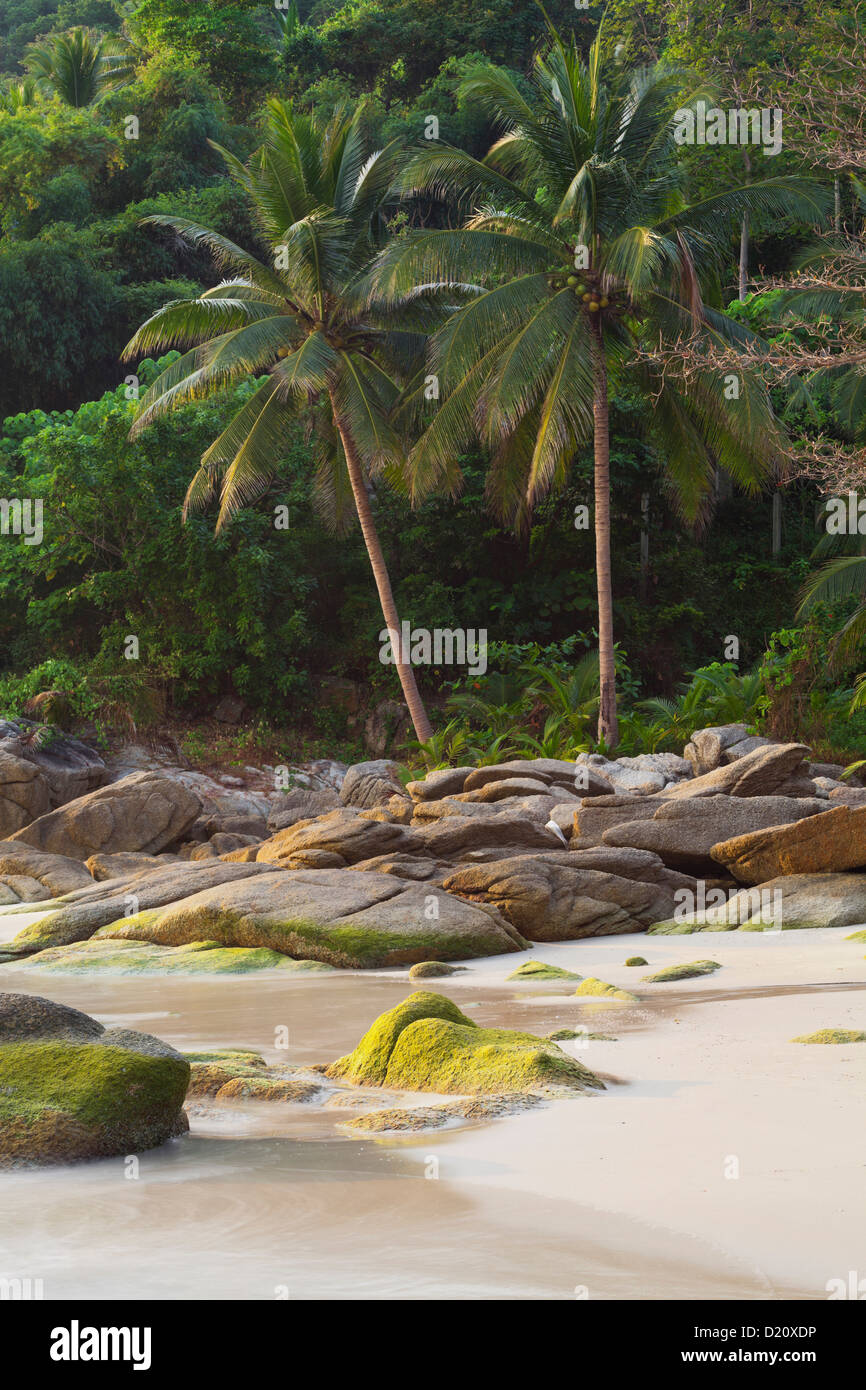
x=411 y=694
x=608 y=728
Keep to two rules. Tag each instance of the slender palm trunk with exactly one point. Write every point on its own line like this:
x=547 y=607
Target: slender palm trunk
x=744 y=242
x=412 y=696
x=608 y=728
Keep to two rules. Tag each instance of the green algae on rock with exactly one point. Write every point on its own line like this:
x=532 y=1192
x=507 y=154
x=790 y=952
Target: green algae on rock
x=539 y=970
x=592 y=987
x=427 y=1044
x=119 y=957
x=433 y=969
x=397 y=1119
x=689 y=970
x=636 y=960
x=70 y=1092
x=832 y=1035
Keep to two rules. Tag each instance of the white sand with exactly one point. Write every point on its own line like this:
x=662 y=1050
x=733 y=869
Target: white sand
x=709 y=1087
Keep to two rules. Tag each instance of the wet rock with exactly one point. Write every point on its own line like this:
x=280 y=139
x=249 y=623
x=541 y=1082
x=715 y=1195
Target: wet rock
x=600 y=989
x=77 y=915
x=832 y=1035
x=103 y=957
x=69 y=1090
x=689 y=971
x=434 y=969
x=427 y=1044
x=537 y=970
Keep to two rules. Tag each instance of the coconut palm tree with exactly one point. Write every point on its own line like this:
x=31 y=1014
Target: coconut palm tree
x=584 y=255
x=301 y=319
x=80 y=66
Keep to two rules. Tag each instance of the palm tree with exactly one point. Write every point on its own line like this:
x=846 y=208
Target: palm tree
x=582 y=250
x=317 y=199
x=80 y=66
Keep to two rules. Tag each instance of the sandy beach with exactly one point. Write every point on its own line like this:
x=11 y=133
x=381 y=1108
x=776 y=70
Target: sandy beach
x=722 y=1161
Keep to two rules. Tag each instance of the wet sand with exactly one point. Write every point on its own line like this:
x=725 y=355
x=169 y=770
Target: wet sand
x=632 y=1193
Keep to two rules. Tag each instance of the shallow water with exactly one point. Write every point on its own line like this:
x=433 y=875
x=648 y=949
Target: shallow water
x=263 y=1202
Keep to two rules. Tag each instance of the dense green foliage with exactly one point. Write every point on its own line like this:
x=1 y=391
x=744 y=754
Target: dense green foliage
x=270 y=613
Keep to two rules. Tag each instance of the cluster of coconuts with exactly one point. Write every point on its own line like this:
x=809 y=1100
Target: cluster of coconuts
x=589 y=294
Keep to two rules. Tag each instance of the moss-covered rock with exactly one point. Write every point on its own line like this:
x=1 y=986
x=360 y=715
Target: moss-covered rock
x=569 y=1035
x=433 y=969
x=107 y=957
x=67 y=1095
x=636 y=960
x=593 y=988
x=832 y=1035
x=427 y=1044
x=538 y=970
x=859 y=936
x=401 y=1120
x=687 y=971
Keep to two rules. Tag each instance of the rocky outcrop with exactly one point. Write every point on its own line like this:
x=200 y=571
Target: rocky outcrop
x=354 y=920
x=683 y=833
x=72 y=1090
x=77 y=915
x=830 y=842
x=143 y=813
x=60 y=770
x=776 y=769
x=551 y=897
x=49 y=874
x=427 y=1044
x=782 y=904
x=346 y=834
x=371 y=784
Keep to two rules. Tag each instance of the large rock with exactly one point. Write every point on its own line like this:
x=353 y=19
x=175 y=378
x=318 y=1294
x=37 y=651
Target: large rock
x=683 y=833
x=776 y=769
x=104 y=957
x=443 y=782
x=782 y=904
x=24 y=792
x=456 y=837
x=827 y=843
x=553 y=897
x=625 y=775
x=77 y=915
x=144 y=812
x=54 y=873
x=347 y=834
x=342 y=917
x=371 y=784
x=67 y=767
x=596 y=816
x=71 y=1090
x=427 y=1044
x=706 y=748
x=554 y=772
x=301 y=804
